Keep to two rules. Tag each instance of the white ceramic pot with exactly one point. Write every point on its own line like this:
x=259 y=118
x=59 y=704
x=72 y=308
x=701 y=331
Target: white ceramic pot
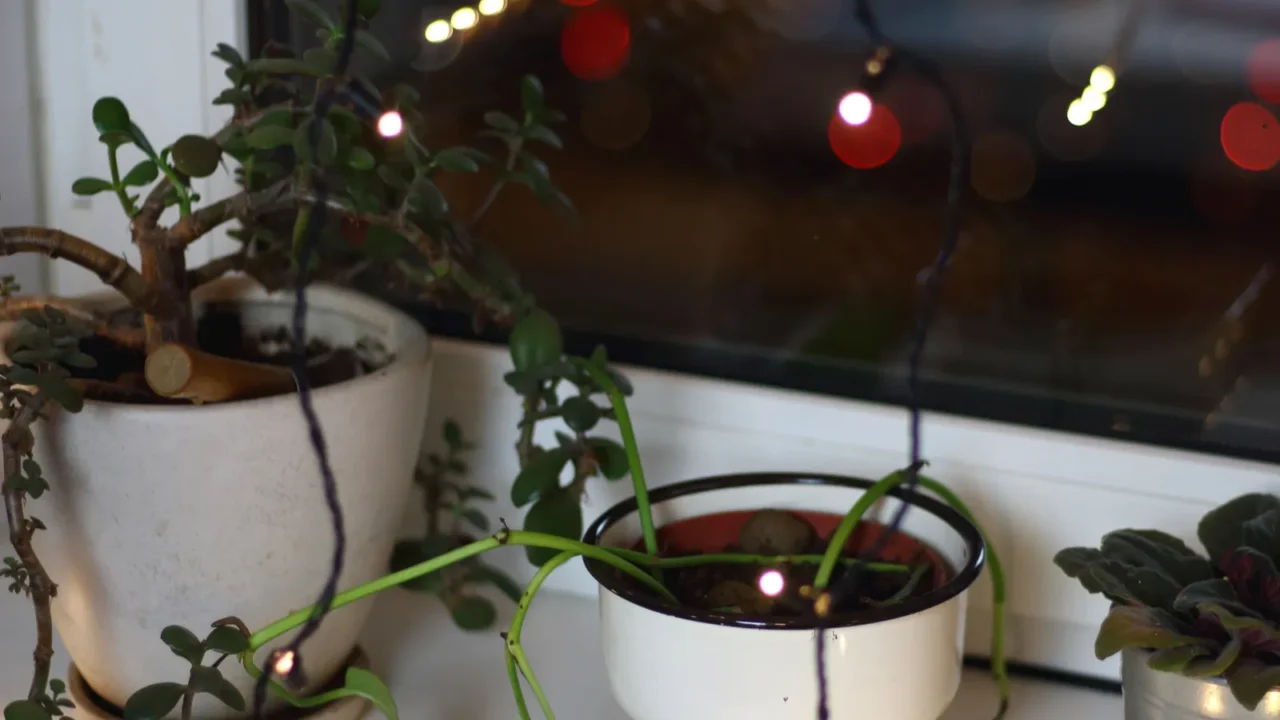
x=902 y=662
x=182 y=514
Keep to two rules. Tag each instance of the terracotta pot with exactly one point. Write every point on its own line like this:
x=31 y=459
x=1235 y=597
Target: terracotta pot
x=901 y=662
x=183 y=514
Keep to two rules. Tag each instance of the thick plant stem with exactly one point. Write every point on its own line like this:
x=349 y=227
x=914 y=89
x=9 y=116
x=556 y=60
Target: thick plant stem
x=165 y=268
x=504 y=537
x=514 y=648
x=623 y=418
x=111 y=269
x=42 y=589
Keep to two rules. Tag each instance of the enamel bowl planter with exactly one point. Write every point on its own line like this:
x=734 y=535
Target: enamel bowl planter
x=898 y=662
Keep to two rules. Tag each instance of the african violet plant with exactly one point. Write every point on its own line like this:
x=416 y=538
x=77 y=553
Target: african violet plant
x=1204 y=617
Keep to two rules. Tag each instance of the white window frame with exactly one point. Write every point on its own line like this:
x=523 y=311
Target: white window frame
x=19 y=181
x=1036 y=490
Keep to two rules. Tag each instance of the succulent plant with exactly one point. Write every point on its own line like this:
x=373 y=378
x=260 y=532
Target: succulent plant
x=1210 y=617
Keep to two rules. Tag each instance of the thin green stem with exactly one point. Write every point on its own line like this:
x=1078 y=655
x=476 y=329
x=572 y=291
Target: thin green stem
x=121 y=191
x=514 y=675
x=623 y=418
x=514 y=648
x=645 y=560
x=851 y=519
x=184 y=198
x=505 y=537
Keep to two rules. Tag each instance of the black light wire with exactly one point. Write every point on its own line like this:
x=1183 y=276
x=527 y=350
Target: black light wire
x=310 y=241
x=887 y=54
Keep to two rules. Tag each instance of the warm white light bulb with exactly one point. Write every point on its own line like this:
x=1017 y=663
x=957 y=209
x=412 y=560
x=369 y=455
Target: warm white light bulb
x=1078 y=114
x=438 y=31
x=491 y=7
x=464 y=18
x=1093 y=99
x=390 y=124
x=284 y=663
x=855 y=108
x=1103 y=78
x=771 y=583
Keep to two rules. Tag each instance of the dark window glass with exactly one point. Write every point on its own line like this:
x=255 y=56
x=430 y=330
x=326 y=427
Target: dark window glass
x=1114 y=277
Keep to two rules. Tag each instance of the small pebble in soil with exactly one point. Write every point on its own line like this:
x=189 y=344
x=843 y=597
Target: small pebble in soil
x=737 y=596
x=776 y=532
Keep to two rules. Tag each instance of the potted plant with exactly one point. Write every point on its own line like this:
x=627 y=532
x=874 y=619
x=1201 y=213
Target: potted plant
x=162 y=415
x=1198 y=636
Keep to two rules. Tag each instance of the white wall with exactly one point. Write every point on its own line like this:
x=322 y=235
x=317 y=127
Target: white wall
x=19 y=183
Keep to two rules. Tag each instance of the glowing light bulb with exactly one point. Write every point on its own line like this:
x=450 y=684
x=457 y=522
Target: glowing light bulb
x=1103 y=78
x=491 y=7
x=284 y=664
x=1078 y=114
x=390 y=124
x=1093 y=99
x=438 y=31
x=855 y=108
x=464 y=18
x=771 y=583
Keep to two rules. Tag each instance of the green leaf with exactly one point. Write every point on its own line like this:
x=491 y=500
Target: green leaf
x=1127 y=626
x=546 y=135
x=456 y=160
x=25 y=710
x=228 y=54
x=473 y=613
x=233 y=96
x=556 y=513
x=1250 y=680
x=57 y=687
x=1159 y=551
x=610 y=456
x=60 y=392
x=382 y=243
x=367 y=685
x=322 y=59
x=366 y=40
x=367 y=9
x=426 y=195
x=1221 y=530
x=196 y=156
x=143 y=173
x=90 y=186
x=226 y=639
x=501 y=121
x=1217 y=592
x=110 y=115
x=205 y=679
x=328 y=147
x=266 y=137
x=453 y=434
x=281 y=66
x=153 y=702
x=480 y=572
x=183 y=643
x=311 y=12
x=140 y=139
x=360 y=159
x=539 y=476
x=1214 y=664
x=115 y=138
x=579 y=413
x=532 y=95
x=475 y=517
x=23 y=376
x=408 y=553
x=229 y=695
x=536 y=341
x=1262 y=533
x=1174 y=659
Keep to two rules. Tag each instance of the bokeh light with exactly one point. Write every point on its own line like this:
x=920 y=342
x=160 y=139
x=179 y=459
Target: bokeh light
x=1263 y=70
x=1103 y=78
x=616 y=115
x=491 y=7
x=284 y=663
x=772 y=583
x=1251 y=137
x=1003 y=167
x=464 y=18
x=438 y=31
x=1093 y=99
x=596 y=43
x=1078 y=113
x=390 y=124
x=1065 y=141
x=868 y=145
x=855 y=108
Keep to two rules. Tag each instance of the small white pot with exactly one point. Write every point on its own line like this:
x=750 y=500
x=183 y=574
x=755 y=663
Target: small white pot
x=182 y=514
x=902 y=662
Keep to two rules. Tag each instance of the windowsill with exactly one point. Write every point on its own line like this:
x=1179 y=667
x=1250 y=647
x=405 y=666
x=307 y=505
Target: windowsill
x=437 y=672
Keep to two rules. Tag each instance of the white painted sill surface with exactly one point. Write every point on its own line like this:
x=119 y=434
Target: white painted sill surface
x=437 y=672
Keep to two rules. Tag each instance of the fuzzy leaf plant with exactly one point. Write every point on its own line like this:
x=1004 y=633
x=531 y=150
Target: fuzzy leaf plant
x=1203 y=617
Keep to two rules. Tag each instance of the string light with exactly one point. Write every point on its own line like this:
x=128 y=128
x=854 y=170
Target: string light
x=390 y=124
x=855 y=108
x=284 y=664
x=1093 y=99
x=464 y=18
x=491 y=7
x=1078 y=114
x=1103 y=78
x=438 y=31
x=771 y=583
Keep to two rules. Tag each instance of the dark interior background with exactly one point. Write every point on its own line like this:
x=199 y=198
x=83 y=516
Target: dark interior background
x=1113 y=279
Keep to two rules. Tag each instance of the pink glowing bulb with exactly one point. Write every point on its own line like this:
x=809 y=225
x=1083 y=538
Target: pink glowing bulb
x=390 y=124
x=771 y=583
x=855 y=108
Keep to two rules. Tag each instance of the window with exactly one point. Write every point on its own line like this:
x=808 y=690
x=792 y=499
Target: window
x=1116 y=273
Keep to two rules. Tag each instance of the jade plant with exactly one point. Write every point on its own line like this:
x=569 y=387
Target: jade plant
x=1213 y=616
x=390 y=213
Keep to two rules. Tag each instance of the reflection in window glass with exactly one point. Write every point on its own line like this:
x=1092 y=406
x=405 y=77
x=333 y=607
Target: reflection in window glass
x=744 y=212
